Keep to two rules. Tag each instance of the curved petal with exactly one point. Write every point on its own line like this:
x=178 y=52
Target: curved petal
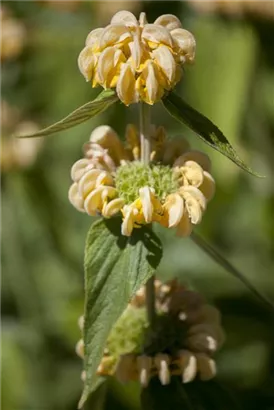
x=206 y=367
x=186 y=44
x=113 y=207
x=196 y=156
x=184 y=228
x=113 y=34
x=157 y=34
x=105 y=64
x=192 y=173
x=190 y=191
x=165 y=60
x=86 y=63
x=104 y=178
x=208 y=186
x=169 y=21
x=75 y=199
x=128 y=221
x=78 y=169
x=124 y=17
x=174 y=205
x=147 y=208
x=126 y=85
x=144 y=365
x=162 y=362
x=88 y=182
x=188 y=365
x=93 y=37
x=93 y=201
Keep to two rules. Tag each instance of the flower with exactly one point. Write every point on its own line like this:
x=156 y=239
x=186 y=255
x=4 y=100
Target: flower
x=173 y=191
x=188 y=332
x=13 y=35
x=140 y=60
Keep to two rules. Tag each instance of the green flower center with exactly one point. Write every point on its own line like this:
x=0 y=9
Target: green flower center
x=135 y=175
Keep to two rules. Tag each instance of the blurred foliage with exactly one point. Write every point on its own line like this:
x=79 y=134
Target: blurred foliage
x=232 y=82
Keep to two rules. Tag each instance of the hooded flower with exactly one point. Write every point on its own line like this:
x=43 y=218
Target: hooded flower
x=173 y=190
x=132 y=354
x=139 y=59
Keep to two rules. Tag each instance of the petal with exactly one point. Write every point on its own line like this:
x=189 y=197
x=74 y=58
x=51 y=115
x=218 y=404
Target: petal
x=162 y=362
x=169 y=21
x=157 y=34
x=174 y=148
x=201 y=342
x=193 y=173
x=128 y=221
x=206 y=367
x=86 y=62
x=104 y=179
x=93 y=37
x=208 y=186
x=78 y=169
x=191 y=191
x=93 y=201
x=186 y=43
x=126 y=86
x=175 y=207
x=124 y=17
x=136 y=51
x=184 y=228
x=80 y=348
x=132 y=138
x=188 y=365
x=145 y=197
x=105 y=63
x=197 y=156
x=75 y=199
x=152 y=85
x=144 y=365
x=142 y=19
x=113 y=34
x=113 y=207
x=165 y=60
x=88 y=182
x=109 y=192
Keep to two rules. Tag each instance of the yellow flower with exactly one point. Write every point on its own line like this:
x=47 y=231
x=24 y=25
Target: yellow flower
x=140 y=60
x=110 y=180
x=199 y=336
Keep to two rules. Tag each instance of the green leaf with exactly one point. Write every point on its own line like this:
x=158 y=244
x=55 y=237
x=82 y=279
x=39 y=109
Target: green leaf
x=202 y=126
x=215 y=255
x=104 y=100
x=171 y=396
x=115 y=268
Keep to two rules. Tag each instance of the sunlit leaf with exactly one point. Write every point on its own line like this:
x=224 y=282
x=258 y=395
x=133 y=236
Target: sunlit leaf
x=115 y=268
x=215 y=255
x=203 y=127
x=103 y=101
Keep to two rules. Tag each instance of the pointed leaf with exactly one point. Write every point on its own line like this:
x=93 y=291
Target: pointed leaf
x=115 y=268
x=104 y=100
x=203 y=127
x=215 y=255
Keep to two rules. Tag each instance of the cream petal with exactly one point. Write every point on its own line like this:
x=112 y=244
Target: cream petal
x=93 y=37
x=184 y=228
x=188 y=365
x=104 y=179
x=193 y=172
x=136 y=51
x=126 y=85
x=80 y=348
x=75 y=199
x=197 y=156
x=128 y=221
x=109 y=192
x=201 y=342
x=86 y=62
x=78 y=169
x=151 y=84
x=208 y=186
x=175 y=207
x=162 y=362
x=124 y=17
x=88 y=182
x=113 y=207
x=186 y=43
x=145 y=197
x=211 y=329
x=157 y=34
x=206 y=366
x=165 y=60
x=113 y=34
x=169 y=21
x=191 y=191
x=142 y=19
x=93 y=201
x=144 y=365
x=105 y=63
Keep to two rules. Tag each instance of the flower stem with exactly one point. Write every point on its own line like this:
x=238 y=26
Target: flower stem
x=145 y=140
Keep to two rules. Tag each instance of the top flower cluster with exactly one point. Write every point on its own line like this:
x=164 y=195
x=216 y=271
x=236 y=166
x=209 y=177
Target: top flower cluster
x=140 y=60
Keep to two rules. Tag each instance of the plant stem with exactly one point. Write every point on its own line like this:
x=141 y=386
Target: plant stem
x=145 y=158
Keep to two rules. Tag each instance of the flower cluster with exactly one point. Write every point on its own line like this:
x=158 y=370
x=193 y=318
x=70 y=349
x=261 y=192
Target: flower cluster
x=140 y=60
x=187 y=351
x=173 y=190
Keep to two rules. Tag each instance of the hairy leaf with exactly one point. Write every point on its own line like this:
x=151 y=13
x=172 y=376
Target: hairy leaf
x=104 y=100
x=115 y=268
x=215 y=255
x=203 y=127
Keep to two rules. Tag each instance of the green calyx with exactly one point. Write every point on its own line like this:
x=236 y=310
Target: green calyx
x=135 y=175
